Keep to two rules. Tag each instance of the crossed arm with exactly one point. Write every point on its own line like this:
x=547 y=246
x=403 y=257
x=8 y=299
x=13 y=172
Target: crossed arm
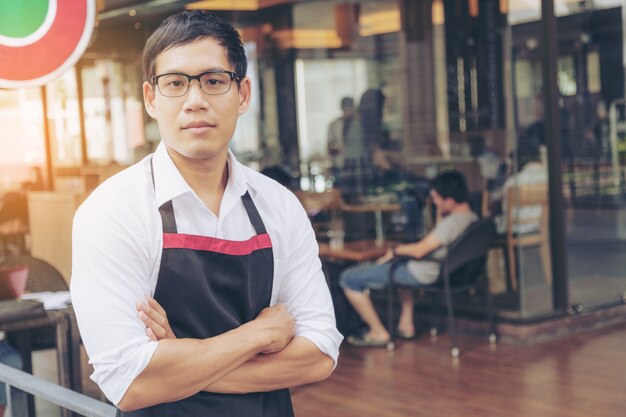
x=261 y=355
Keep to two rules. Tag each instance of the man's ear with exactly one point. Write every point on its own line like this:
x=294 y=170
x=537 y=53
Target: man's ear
x=245 y=95
x=148 y=99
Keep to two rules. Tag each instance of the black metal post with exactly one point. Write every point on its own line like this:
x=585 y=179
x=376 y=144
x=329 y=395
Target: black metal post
x=18 y=402
x=553 y=140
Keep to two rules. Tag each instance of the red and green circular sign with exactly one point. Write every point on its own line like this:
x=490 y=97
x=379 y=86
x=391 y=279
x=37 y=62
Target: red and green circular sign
x=39 y=39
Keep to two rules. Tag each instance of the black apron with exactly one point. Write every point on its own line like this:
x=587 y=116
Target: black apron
x=209 y=286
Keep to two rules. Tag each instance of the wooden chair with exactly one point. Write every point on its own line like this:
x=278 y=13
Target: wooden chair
x=461 y=270
x=526 y=207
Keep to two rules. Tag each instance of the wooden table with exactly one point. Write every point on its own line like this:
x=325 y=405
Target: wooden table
x=378 y=210
x=359 y=251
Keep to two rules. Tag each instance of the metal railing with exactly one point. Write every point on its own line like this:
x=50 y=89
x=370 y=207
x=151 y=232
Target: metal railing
x=19 y=384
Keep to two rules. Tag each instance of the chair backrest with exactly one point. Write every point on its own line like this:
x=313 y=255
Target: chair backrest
x=470 y=249
x=521 y=196
x=41 y=275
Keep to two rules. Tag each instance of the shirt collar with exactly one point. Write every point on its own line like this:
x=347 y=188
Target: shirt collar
x=169 y=183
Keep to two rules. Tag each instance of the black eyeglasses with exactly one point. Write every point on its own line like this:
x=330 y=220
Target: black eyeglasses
x=177 y=84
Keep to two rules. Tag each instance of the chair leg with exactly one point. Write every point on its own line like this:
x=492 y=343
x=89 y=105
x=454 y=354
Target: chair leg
x=454 y=347
x=390 y=302
x=507 y=273
x=493 y=336
x=435 y=322
x=512 y=266
x=546 y=260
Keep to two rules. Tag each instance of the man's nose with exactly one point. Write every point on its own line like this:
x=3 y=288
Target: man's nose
x=196 y=98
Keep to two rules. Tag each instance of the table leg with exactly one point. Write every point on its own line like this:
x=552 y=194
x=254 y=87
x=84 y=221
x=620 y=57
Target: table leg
x=63 y=360
x=76 y=379
x=22 y=342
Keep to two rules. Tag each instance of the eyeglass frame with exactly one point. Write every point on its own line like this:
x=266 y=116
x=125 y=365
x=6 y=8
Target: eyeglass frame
x=233 y=77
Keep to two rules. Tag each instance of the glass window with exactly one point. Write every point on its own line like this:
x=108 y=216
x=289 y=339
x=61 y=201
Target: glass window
x=63 y=120
x=114 y=115
x=348 y=91
x=593 y=138
x=22 y=138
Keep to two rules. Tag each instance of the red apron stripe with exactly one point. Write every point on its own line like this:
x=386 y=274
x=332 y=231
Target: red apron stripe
x=211 y=244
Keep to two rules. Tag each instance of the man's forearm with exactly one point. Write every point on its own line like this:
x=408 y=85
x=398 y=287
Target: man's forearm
x=182 y=367
x=301 y=362
x=409 y=249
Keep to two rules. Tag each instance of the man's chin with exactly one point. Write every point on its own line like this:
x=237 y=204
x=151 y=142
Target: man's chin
x=197 y=153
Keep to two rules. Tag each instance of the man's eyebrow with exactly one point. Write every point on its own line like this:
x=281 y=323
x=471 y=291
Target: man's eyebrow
x=209 y=69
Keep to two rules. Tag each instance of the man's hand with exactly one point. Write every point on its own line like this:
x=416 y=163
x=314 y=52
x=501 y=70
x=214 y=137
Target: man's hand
x=154 y=317
x=278 y=324
x=385 y=258
x=275 y=322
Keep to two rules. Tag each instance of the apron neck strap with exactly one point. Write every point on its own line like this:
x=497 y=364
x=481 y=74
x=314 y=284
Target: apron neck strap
x=253 y=214
x=169 y=221
x=166 y=210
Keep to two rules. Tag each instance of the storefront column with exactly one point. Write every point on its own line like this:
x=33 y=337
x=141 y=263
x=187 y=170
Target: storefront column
x=553 y=140
x=420 y=133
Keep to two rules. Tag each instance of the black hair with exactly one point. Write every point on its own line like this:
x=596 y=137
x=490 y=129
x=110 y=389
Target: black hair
x=451 y=184
x=347 y=103
x=188 y=26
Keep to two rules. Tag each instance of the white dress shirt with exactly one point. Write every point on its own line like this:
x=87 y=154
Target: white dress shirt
x=117 y=247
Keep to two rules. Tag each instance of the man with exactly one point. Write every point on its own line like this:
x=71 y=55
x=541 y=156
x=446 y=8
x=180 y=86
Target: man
x=449 y=194
x=228 y=253
x=343 y=131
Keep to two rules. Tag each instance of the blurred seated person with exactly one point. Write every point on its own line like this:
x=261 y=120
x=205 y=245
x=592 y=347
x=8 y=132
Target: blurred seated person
x=449 y=193
x=488 y=162
x=533 y=171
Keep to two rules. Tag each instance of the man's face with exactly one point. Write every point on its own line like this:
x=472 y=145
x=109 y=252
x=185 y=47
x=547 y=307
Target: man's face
x=445 y=205
x=196 y=125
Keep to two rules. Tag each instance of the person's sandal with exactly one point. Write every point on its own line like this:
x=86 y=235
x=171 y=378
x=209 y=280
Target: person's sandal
x=366 y=341
x=404 y=335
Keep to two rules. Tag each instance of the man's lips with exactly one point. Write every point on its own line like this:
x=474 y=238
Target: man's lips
x=198 y=125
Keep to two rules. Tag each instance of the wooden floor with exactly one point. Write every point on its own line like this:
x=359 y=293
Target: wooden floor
x=580 y=376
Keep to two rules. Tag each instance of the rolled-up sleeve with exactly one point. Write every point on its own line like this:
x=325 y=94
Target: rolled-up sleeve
x=303 y=287
x=111 y=269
